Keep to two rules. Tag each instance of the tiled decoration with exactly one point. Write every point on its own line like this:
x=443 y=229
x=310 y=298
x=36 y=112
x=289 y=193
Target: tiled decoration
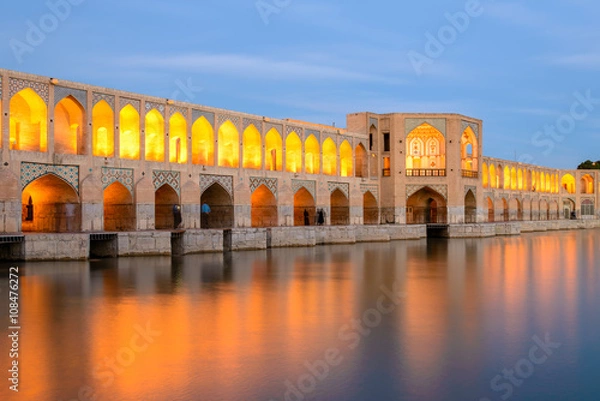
x=124 y=101
x=222 y=118
x=226 y=181
x=310 y=186
x=438 y=123
x=158 y=106
x=32 y=171
x=98 y=97
x=342 y=186
x=373 y=189
x=471 y=188
x=473 y=126
x=16 y=85
x=248 y=122
x=270 y=183
x=172 y=178
x=270 y=126
x=176 y=109
x=61 y=92
x=210 y=117
x=290 y=128
x=413 y=189
x=111 y=175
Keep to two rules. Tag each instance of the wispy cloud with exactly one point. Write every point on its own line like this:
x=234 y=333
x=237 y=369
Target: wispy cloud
x=242 y=65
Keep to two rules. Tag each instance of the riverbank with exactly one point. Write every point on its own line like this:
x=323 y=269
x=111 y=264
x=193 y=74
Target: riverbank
x=50 y=246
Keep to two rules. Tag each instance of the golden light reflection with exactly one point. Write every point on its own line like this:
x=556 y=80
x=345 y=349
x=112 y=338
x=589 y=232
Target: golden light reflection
x=178 y=139
x=273 y=151
x=293 y=153
x=155 y=136
x=68 y=126
x=329 y=157
x=346 y=160
x=312 y=155
x=252 y=148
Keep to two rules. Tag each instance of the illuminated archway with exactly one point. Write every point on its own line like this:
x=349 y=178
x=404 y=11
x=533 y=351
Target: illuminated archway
x=273 y=151
x=28 y=122
x=426 y=206
x=252 y=148
x=263 y=208
x=103 y=134
x=229 y=145
x=329 y=157
x=513 y=179
x=221 y=207
x=520 y=184
x=346 y=160
x=360 y=161
x=370 y=209
x=50 y=205
x=506 y=177
x=568 y=183
x=491 y=210
x=155 y=136
x=119 y=210
x=425 y=148
x=203 y=142
x=587 y=184
x=500 y=176
x=293 y=153
x=505 y=210
x=469 y=150
x=129 y=138
x=340 y=208
x=304 y=203
x=69 y=127
x=485 y=175
x=470 y=207
x=312 y=155
x=178 y=139
x=494 y=179
x=165 y=198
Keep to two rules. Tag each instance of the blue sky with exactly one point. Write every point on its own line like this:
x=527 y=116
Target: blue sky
x=521 y=67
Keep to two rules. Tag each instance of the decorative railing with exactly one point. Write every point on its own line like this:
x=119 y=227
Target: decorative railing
x=426 y=172
x=386 y=172
x=470 y=174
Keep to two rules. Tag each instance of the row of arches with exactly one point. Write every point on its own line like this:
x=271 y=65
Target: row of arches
x=50 y=204
x=225 y=148
x=512 y=178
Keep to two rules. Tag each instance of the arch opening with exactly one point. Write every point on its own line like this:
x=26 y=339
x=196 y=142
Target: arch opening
x=425 y=149
x=491 y=210
x=129 y=137
x=273 y=151
x=251 y=148
x=165 y=202
x=28 y=122
x=470 y=207
x=155 y=136
x=103 y=133
x=263 y=208
x=346 y=160
x=370 y=209
x=304 y=208
x=360 y=161
x=293 y=153
x=119 y=210
x=426 y=206
x=178 y=149
x=203 y=142
x=312 y=155
x=69 y=127
x=340 y=208
x=220 y=203
x=229 y=145
x=329 y=157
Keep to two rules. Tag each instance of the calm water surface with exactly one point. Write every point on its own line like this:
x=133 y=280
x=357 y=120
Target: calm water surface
x=502 y=318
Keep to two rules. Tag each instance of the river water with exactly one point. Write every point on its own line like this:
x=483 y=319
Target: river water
x=477 y=319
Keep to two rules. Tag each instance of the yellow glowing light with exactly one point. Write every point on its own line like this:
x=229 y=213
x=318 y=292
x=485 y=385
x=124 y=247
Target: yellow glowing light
x=252 y=148
x=129 y=138
x=312 y=155
x=103 y=117
x=28 y=122
x=68 y=123
x=425 y=148
x=177 y=134
x=229 y=151
x=155 y=136
x=346 y=160
x=293 y=153
x=203 y=138
x=329 y=157
x=274 y=151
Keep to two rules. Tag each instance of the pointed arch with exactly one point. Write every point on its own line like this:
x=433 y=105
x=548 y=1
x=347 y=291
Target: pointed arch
x=360 y=161
x=587 y=184
x=155 y=136
x=485 y=176
x=129 y=138
x=165 y=198
x=55 y=206
x=293 y=153
x=304 y=204
x=119 y=210
x=28 y=122
x=178 y=149
x=346 y=160
x=493 y=177
x=567 y=182
x=229 y=145
x=203 y=142
x=520 y=183
x=263 y=207
x=425 y=148
x=312 y=155
x=103 y=133
x=490 y=209
x=469 y=150
x=69 y=127
x=273 y=151
x=513 y=178
x=370 y=209
x=426 y=206
x=220 y=203
x=340 y=208
x=470 y=207
x=505 y=210
x=329 y=157
x=252 y=148
x=506 y=177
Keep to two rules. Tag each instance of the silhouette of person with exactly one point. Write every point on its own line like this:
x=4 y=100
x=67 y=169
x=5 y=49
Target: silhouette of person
x=177 y=221
x=306 y=221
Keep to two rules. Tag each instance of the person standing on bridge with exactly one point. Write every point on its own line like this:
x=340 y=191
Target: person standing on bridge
x=177 y=220
x=205 y=209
